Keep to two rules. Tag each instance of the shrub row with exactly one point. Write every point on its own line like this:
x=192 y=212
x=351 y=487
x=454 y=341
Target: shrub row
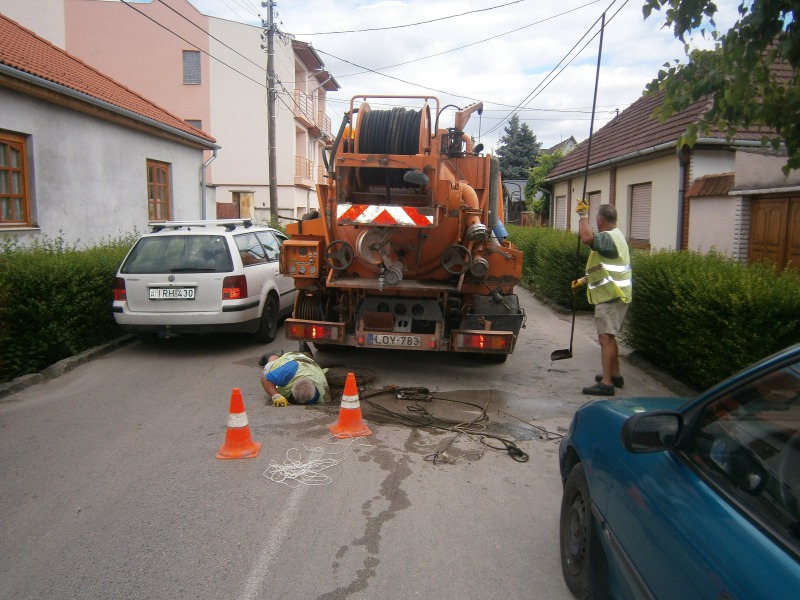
x=699 y=317
x=55 y=301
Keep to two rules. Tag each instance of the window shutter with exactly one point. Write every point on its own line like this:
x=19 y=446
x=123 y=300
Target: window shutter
x=595 y=200
x=561 y=212
x=641 y=196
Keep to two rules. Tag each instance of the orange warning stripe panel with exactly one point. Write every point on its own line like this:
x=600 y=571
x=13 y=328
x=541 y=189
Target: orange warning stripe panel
x=369 y=214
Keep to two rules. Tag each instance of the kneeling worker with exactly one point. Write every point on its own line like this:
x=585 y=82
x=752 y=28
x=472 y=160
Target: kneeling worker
x=293 y=377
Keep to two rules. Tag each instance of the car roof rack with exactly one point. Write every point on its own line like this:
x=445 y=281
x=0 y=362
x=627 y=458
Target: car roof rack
x=229 y=224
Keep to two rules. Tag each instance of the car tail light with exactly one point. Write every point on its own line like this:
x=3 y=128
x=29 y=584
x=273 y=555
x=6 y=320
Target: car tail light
x=120 y=293
x=234 y=287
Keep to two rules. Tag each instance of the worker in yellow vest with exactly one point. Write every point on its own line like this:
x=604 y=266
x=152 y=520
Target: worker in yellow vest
x=293 y=377
x=609 y=288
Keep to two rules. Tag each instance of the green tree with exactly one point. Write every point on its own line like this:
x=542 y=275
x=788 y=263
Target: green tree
x=536 y=177
x=518 y=150
x=750 y=77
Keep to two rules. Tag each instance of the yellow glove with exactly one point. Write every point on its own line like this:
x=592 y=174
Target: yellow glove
x=578 y=283
x=279 y=400
x=582 y=209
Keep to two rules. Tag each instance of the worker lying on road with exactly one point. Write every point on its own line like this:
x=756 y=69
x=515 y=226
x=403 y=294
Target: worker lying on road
x=293 y=377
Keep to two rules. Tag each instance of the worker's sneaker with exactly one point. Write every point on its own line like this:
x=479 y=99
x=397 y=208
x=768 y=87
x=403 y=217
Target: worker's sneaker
x=617 y=380
x=599 y=389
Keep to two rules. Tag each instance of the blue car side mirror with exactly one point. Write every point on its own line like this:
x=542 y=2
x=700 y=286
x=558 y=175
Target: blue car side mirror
x=653 y=431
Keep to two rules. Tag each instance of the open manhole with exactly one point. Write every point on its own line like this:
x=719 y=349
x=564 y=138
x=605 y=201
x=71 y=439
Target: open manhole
x=337 y=377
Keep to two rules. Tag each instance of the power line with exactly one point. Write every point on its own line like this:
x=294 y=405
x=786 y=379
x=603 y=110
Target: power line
x=408 y=62
x=413 y=24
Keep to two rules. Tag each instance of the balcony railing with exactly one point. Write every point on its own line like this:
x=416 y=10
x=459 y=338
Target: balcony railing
x=303 y=171
x=303 y=107
x=324 y=123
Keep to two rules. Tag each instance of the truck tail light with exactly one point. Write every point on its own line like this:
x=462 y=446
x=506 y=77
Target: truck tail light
x=304 y=330
x=488 y=341
x=120 y=293
x=234 y=287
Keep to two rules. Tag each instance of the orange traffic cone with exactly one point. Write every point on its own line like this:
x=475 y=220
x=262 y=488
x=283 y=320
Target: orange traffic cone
x=238 y=442
x=350 y=423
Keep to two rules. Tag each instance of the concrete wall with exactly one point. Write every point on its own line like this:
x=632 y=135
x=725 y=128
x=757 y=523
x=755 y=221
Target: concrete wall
x=88 y=176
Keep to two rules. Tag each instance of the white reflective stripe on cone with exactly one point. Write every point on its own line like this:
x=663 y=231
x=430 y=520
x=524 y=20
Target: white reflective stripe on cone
x=237 y=419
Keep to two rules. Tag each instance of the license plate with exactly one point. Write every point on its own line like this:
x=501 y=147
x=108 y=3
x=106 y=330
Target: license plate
x=381 y=339
x=174 y=293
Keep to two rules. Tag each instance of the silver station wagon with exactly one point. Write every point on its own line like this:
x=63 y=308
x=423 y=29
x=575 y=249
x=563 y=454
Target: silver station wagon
x=204 y=277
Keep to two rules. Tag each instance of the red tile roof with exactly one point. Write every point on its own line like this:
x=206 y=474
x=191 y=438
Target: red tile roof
x=711 y=185
x=24 y=51
x=634 y=130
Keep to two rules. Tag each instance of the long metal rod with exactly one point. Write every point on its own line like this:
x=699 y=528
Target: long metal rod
x=560 y=354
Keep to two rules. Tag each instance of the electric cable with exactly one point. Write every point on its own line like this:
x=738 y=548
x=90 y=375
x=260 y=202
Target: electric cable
x=418 y=415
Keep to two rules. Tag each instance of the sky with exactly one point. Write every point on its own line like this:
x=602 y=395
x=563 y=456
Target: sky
x=534 y=58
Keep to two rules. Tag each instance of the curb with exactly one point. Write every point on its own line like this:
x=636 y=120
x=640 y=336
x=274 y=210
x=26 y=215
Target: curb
x=59 y=368
x=676 y=387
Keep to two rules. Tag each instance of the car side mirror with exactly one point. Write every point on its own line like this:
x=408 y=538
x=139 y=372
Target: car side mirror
x=653 y=431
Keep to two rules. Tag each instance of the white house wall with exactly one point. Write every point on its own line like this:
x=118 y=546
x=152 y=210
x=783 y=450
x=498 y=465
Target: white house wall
x=711 y=162
x=89 y=176
x=713 y=223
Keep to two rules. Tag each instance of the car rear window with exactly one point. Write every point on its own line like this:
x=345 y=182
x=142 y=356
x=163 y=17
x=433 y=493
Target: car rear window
x=179 y=254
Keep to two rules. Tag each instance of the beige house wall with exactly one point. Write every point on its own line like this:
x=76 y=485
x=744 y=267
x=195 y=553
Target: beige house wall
x=757 y=171
x=663 y=174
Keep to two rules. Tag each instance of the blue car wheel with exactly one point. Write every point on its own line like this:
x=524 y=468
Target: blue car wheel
x=582 y=559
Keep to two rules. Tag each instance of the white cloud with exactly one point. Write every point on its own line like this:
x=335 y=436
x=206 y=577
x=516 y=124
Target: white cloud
x=502 y=71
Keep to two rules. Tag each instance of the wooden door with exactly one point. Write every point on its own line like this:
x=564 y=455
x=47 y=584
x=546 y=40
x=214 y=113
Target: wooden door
x=775 y=231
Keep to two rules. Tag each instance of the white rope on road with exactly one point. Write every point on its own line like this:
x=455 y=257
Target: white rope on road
x=295 y=472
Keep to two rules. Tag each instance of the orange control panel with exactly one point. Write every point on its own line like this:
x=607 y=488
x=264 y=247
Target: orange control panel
x=301 y=258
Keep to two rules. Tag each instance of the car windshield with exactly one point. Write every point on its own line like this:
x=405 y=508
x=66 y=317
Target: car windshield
x=179 y=254
x=748 y=441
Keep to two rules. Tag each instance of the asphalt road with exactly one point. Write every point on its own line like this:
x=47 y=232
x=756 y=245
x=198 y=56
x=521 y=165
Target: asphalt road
x=111 y=488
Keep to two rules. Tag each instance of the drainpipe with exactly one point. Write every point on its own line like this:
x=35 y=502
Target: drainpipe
x=683 y=160
x=203 y=183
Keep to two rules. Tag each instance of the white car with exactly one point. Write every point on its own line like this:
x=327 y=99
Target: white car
x=203 y=277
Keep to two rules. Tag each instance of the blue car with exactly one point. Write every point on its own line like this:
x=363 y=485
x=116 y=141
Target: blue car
x=675 y=498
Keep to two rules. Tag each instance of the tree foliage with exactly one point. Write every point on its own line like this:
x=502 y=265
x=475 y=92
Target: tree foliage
x=518 y=150
x=750 y=77
x=536 y=177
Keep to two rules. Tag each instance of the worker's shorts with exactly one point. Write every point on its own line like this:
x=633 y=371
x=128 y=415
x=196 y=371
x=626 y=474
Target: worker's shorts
x=609 y=316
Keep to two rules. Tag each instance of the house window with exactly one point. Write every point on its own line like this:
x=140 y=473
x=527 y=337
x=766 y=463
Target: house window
x=158 y=196
x=560 y=218
x=595 y=199
x=196 y=123
x=14 y=202
x=191 y=67
x=641 y=199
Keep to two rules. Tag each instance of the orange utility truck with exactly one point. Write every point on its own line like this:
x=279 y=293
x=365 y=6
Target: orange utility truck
x=404 y=249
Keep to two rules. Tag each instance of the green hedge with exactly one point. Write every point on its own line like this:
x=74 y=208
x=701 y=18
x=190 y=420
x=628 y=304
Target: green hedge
x=551 y=261
x=55 y=301
x=702 y=317
x=699 y=317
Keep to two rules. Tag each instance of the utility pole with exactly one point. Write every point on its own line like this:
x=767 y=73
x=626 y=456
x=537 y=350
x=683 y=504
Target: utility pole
x=272 y=163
